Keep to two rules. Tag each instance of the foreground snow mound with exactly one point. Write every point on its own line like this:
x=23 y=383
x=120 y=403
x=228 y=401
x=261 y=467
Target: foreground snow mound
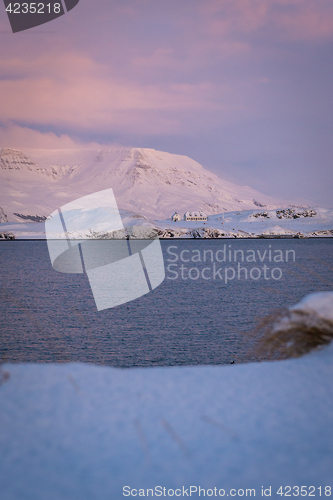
x=77 y=431
x=320 y=303
x=297 y=330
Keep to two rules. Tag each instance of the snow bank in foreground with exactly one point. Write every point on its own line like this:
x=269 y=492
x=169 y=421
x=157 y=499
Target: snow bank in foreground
x=295 y=331
x=76 y=431
x=320 y=303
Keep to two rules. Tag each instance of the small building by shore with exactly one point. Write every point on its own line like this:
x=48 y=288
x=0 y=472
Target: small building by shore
x=195 y=216
x=176 y=217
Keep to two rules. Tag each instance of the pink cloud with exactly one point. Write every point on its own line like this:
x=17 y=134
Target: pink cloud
x=73 y=90
x=289 y=19
x=205 y=71
x=309 y=21
x=14 y=136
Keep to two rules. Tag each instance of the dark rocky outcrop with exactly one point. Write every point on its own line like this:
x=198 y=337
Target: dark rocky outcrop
x=33 y=218
x=7 y=236
x=292 y=213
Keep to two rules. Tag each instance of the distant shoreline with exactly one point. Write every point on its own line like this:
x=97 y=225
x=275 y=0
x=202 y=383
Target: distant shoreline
x=284 y=237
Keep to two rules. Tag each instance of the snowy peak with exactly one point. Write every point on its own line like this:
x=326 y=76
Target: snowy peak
x=151 y=183
x=177 y=177
x=148 y=165
x=12 y=159
x=15 y=160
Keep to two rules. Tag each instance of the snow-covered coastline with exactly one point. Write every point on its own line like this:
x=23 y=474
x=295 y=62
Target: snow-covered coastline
x=281 y=223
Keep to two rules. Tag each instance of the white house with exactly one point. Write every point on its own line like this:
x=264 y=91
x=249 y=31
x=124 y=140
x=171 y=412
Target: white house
x=195 y=216
x=176 y=217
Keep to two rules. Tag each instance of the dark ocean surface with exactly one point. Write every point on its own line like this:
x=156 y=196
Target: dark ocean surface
x=195 y=316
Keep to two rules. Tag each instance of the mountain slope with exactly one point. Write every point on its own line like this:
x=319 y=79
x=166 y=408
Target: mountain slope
x=153 y=183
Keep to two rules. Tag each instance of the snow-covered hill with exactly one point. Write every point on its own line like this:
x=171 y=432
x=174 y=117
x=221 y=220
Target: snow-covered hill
x=34 y=183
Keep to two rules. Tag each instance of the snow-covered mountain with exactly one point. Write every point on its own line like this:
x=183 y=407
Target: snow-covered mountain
x=33 y=183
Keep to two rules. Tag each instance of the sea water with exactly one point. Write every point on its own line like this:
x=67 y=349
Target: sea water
x=214 y=293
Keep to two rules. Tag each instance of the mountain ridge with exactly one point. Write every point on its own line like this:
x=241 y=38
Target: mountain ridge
x=149 y=182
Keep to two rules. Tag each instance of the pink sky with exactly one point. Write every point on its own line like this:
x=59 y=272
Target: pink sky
x=242 y=86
